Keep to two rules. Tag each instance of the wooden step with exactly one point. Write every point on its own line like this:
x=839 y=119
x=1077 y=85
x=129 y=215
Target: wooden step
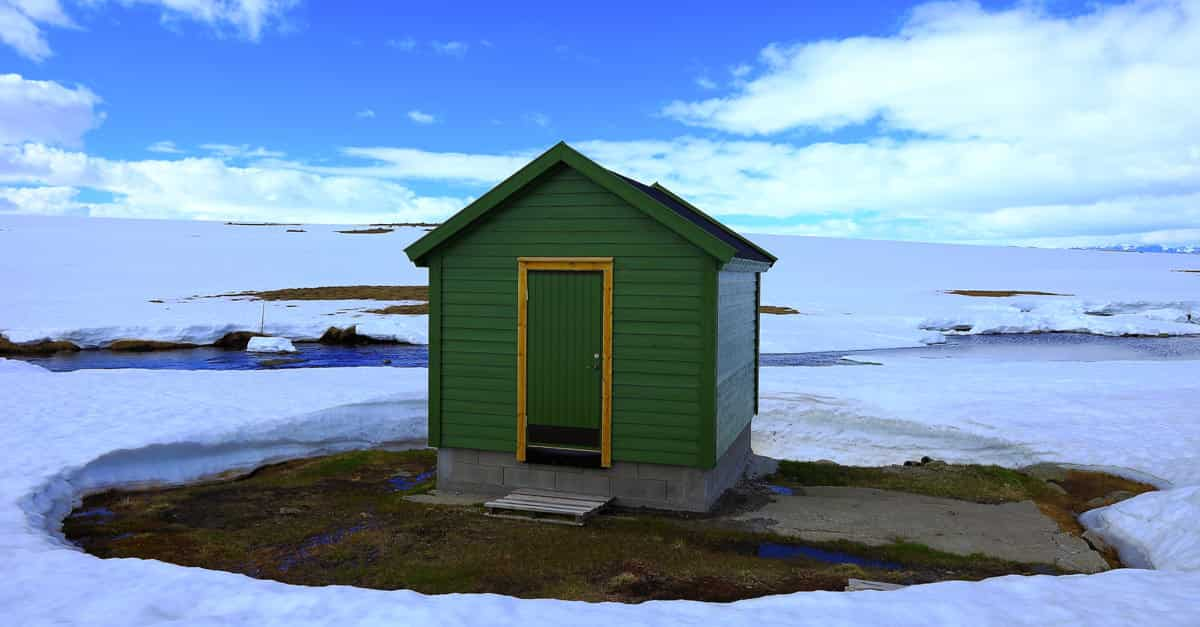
x=540 y=505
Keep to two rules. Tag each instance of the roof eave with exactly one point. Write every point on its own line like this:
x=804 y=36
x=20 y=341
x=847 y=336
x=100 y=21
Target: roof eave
x=772 y=258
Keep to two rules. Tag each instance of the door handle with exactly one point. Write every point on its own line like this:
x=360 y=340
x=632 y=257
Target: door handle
x=596 y=361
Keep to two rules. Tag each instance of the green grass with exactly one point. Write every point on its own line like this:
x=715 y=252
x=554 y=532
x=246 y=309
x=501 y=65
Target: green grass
x=979 y=484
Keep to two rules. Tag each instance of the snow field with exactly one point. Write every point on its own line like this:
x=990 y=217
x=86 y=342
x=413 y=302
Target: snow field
x=98 y=283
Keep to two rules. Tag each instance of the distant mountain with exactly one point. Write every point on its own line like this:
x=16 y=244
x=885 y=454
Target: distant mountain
x=1147 y=248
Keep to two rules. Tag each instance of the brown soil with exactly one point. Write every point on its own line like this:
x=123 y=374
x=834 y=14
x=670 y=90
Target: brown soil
x=236 y=340
x=341 y=520
x=145 y=346
x=42 y=347
x=422 y=308
x=339 y=292
x=371 y=231
x=1002 y=293
x=778 y=310
x=349 y=337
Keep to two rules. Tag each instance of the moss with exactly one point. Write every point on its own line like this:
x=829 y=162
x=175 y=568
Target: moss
x=979 y=484
x=338 y=520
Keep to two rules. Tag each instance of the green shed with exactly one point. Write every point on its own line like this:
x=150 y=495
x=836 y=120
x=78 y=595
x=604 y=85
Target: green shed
x=591 y=334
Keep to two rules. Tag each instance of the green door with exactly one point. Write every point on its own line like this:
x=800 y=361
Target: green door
x=565 y=331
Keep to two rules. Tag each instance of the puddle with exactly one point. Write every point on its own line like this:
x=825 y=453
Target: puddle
x=98 y=513
x=402 y=483
x=781 y=490
x=771 y=550
x=304 y=551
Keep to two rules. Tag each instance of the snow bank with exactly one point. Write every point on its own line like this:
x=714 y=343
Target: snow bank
x=1154 y=530
x=69 y=433
x=16 y=365
x=106 y=276
x=270 y=345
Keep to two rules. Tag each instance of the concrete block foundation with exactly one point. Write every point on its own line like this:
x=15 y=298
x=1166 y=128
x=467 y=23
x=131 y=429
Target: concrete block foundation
x=633 y=484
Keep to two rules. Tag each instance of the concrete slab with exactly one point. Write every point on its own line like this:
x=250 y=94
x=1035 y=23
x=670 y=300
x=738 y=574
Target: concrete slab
x=1013 y=531
x=440 y=497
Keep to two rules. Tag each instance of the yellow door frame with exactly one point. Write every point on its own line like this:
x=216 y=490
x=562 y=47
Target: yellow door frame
x=579 y=264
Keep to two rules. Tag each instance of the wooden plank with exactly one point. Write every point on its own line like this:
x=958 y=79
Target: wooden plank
x=856 y=585
x=606 y=385
x=540 y=505
x=435 y=352
x=572 y=522
x=522 y=316
x=604 y=500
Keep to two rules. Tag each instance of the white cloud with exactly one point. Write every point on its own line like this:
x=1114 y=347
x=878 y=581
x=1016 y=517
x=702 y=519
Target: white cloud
x=955 y=70
x=705 y=82
x=165 y=147
x=973 y=124
x=206 y=188
x=450 y=48
x=420 y=117
x=22 y=21
x=244 y=151
x=406 y=44
x=45 y=111
x=540 y=119
x=414 y=164
x=365 y=114
x=43 y=200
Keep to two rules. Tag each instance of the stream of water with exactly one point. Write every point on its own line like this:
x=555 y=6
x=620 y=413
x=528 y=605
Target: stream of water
x=1024 y=347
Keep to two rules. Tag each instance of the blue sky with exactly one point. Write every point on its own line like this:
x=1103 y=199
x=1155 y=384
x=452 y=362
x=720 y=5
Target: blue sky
x=942 y=122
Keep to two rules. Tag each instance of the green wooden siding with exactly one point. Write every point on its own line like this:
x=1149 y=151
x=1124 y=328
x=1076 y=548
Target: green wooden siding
x=664 y=292
x=737 y=326
x=565 y=341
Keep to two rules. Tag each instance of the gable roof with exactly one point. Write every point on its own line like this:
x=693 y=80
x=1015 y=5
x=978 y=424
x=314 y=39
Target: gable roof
x=656 y=201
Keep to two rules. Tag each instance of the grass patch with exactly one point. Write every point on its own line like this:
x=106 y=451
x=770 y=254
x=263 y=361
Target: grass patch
x=41 y=347
x=978 y=484
x=339 y=292
x=370 y=231
x=1002 y=293
x=778 y=310
x=146 y=346
x=340 y=519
